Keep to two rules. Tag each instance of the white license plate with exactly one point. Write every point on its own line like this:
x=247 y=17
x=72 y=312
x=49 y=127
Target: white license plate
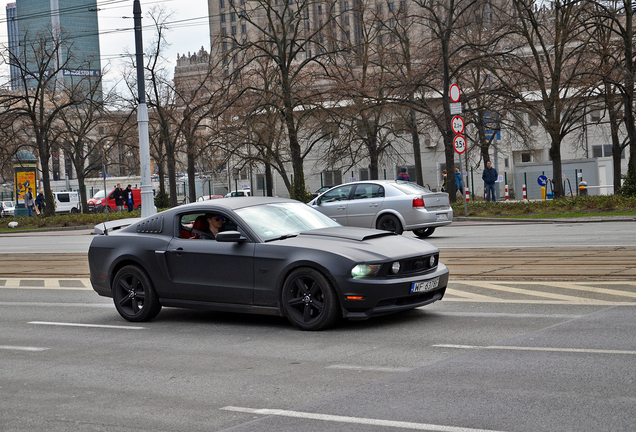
x=443 y=216
x=425 y=286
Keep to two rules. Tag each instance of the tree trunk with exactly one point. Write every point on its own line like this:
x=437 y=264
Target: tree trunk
x=417 y=153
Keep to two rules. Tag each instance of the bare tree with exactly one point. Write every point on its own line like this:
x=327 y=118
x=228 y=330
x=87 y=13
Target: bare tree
x=44 y=96
x=549 y=74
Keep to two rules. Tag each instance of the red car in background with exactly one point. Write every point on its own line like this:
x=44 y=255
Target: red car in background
x=97 y=204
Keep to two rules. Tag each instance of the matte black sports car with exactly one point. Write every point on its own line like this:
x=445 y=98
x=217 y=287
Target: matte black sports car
x=270 y=256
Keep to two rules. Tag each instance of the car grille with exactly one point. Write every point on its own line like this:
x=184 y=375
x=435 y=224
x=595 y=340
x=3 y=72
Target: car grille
x=414 y=265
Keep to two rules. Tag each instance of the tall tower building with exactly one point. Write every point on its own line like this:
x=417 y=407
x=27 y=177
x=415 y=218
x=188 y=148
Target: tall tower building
x=14 y=44
x=72 y=21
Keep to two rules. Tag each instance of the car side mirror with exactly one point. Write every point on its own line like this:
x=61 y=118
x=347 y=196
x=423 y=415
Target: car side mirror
x=230 y=237
x=318 y=200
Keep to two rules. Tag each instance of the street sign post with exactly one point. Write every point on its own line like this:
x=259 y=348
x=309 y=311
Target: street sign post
x=457 y=124
x=460 y=144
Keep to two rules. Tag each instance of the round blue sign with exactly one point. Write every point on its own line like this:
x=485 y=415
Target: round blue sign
x=542 y=180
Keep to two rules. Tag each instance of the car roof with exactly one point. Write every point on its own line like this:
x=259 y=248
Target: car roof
x=230 y=204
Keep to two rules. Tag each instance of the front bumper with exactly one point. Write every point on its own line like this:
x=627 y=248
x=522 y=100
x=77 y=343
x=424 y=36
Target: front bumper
x=388 y=295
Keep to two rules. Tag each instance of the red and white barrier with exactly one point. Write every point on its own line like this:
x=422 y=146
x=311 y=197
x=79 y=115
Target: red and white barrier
x=507 y=197
x=525 y=195
x=467 y=195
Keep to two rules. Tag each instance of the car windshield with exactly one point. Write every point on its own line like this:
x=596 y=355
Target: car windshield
x=272 y=221
x=410 y=188
x=99 y=194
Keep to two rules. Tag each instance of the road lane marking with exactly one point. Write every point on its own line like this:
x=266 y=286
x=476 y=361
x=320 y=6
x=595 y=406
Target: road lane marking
x=18 y=348
x=370 y=368
x=71 y=284
x=540 y=302
x=566 y=298
x=86 y=325
x=546 y=349
x=586 y=287
x=354 y=420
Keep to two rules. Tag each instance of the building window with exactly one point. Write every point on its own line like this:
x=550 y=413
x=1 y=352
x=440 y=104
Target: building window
x=391 y=7
x=331 y=178
x=223 y=18
x=224 y=31
x=595 y=115
x=243 y=28
x=346 y=6
x=604 y=151
x=319 y=9
x=347 y=20
x=526 y=157
x=506 y=163
x=233 y=16
x=260 y=182
x=533 y=120
x=222 y=3
x=224 y=46
x=233 y=30
x=364 y=174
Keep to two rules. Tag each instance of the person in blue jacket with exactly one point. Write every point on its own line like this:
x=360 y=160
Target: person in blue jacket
x=404 y=175
x=459 y=184
x=489 y=177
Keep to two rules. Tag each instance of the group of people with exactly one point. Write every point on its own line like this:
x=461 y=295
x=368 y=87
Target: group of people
x=123 y=197
x=489 y=176
x=34 y=205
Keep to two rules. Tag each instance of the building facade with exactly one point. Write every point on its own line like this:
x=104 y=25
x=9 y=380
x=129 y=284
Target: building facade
x=73 y=22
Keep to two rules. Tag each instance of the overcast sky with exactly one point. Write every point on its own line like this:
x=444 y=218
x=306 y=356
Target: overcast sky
x=188 y=32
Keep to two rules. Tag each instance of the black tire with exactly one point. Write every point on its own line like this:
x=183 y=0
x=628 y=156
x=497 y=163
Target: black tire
x=106 y=209
x=424 y=232
x=391 y=223
x=134 y=296
x=74 y=210
x=309 y=301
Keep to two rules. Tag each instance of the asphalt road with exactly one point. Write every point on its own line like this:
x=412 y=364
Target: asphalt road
x=539 y=338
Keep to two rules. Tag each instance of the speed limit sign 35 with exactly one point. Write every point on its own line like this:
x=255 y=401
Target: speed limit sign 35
x=460 y=144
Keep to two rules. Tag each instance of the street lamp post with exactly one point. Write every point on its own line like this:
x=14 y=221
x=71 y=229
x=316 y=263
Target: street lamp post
x=147 y=201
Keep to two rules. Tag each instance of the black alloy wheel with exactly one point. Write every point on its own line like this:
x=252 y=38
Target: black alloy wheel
x=424 y=232
x=134 y=296
x=391 y=223
x=309 y=300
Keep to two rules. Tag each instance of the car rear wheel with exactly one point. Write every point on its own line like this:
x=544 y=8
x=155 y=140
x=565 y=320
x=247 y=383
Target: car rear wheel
x=424 y=232
x=74 y=210
x=134 y=296
x=390 y=223
x=309 y=300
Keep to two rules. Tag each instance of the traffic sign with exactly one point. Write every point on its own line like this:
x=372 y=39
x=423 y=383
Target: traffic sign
x=457 y=124
x=455 y=94
x=460 y=144
x=542 y=180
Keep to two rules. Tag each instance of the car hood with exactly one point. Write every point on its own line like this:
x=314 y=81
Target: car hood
x=361 y=244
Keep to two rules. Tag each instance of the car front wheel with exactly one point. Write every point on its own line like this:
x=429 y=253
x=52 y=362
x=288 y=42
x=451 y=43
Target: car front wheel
x=309 y=300
x=134 y=296
x=390 y=223
x=424 y=232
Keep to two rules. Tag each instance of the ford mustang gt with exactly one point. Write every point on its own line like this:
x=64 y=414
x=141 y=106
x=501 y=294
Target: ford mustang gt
x=262 y=255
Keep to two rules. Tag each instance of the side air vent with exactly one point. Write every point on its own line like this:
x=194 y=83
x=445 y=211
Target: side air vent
x=151 y=226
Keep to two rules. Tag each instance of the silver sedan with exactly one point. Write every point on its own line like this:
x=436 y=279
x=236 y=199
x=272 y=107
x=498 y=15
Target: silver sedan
x=390 y=205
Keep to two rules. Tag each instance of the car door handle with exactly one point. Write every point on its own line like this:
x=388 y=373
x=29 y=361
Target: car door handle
x=342 y=208
x=178 y=251
x=373 y=205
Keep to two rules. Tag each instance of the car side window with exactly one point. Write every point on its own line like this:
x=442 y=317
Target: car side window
x=63 y=197
x=341 y=193
x=377 y=191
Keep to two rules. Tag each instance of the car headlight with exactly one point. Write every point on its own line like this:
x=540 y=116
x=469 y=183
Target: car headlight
x=364 y=270
x=395 y=267
x=432 y=261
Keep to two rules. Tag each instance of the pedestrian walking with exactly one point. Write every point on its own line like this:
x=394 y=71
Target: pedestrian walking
x=128 y=196
x=459 y=184
x=490 y=176
x=404 y=175
x=444 y=180
x=118 y=196
x=29 y=202
x=40 y=202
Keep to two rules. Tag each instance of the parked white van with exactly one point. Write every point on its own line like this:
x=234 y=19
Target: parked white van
x=67 y=202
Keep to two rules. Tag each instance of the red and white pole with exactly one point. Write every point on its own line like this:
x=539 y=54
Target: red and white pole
x=525 y=196
x=507 y=198
x=467 y=195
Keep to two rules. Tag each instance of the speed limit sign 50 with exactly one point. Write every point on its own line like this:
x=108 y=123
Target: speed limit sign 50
x=460 y=144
